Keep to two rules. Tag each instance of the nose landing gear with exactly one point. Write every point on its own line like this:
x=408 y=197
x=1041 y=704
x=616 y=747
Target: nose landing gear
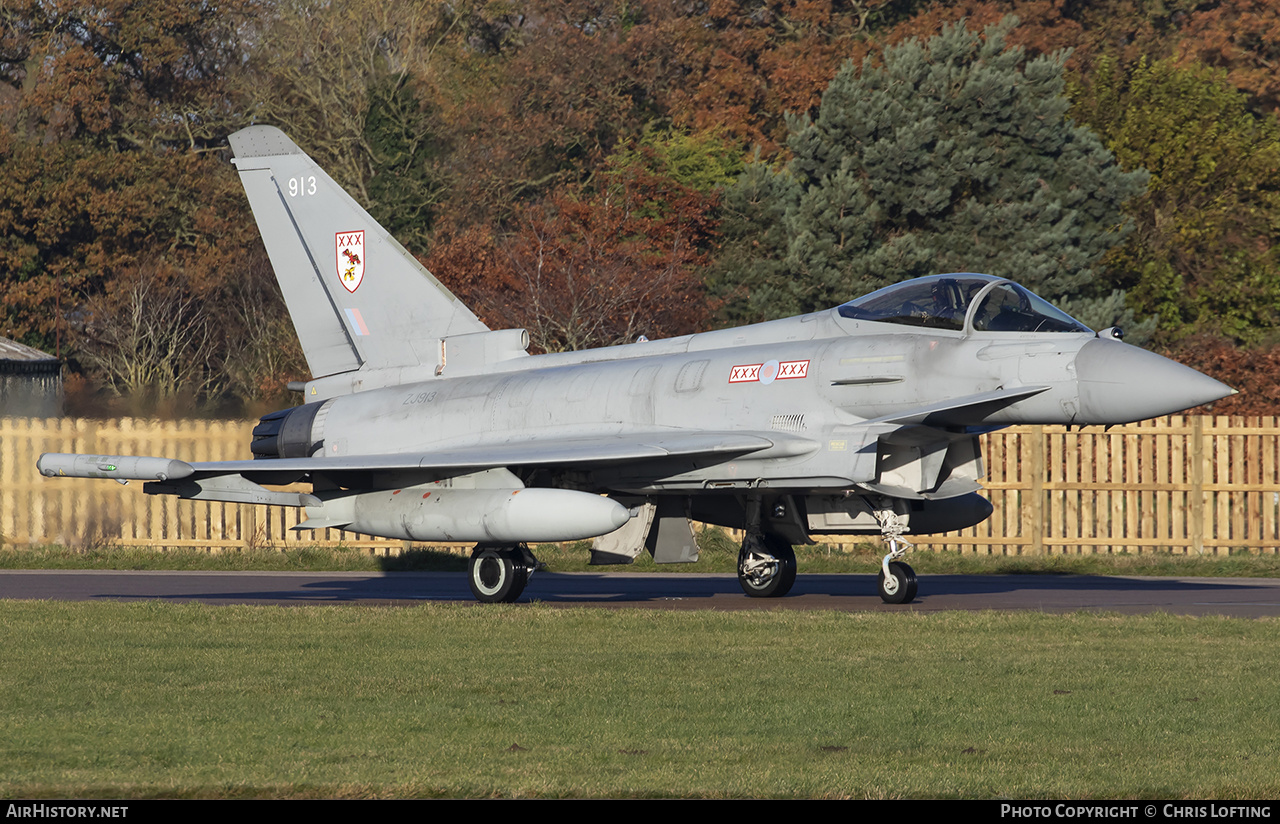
x=897 y=581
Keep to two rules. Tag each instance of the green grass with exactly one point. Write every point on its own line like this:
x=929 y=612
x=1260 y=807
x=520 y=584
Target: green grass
x=719 y=553
x=175 y=700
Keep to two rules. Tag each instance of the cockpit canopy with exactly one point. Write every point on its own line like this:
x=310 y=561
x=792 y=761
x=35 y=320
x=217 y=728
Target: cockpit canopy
x=981 y=303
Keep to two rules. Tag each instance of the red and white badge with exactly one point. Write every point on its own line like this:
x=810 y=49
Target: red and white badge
x=769 y=371
x=787 y=370
x=349 y=248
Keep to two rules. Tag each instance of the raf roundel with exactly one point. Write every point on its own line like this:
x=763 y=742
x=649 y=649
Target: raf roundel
x=349 y=249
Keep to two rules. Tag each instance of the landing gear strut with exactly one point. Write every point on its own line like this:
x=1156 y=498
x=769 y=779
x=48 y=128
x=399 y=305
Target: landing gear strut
x=766 y=566
x=499 y=574
x=897 y=580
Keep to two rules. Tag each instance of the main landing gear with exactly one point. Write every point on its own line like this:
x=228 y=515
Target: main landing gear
x=766 y=566
x=499 y=574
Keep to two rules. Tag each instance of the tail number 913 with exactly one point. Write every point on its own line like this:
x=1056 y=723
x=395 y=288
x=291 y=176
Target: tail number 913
x=302 y=186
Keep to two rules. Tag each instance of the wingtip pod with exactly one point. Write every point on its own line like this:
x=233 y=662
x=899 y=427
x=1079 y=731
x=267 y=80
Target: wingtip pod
x=117 y=467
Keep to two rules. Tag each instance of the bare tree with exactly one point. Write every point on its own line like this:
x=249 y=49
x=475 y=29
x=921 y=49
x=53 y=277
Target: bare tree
x=263 y=353
x=150 y=338
x=321 y=61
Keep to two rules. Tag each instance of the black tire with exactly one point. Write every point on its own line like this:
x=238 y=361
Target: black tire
x=497 y=576
x=779 y=580
x=903 y=586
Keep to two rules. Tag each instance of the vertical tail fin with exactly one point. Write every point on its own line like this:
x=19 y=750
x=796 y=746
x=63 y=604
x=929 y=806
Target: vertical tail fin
x=357 y=298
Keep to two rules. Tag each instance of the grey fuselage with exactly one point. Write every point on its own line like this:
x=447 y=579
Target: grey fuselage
x=421 y=423
x=842 y=374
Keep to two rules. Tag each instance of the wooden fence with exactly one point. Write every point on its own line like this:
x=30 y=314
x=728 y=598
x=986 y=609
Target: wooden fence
x=1186 y=485
x=1181 y=484
x=87 y=513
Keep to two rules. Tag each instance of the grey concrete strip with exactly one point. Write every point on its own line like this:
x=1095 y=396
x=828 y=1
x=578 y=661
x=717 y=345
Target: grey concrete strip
x=1238 y=597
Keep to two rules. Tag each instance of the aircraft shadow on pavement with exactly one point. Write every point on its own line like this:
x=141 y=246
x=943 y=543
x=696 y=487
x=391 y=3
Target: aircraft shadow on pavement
x=722 y=591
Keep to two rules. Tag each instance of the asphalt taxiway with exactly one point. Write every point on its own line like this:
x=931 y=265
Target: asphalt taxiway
x=1236 y=597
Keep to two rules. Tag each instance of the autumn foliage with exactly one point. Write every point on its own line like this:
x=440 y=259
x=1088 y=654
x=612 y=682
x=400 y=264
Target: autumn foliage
x=592 y=266
x=566 y=165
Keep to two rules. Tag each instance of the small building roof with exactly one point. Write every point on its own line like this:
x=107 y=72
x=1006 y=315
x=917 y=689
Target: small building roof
x=18 y=357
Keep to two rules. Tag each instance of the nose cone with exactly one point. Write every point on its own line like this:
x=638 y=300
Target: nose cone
x=1121 y=383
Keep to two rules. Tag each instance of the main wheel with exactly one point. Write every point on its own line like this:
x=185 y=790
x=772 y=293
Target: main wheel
x=900 y=587
x=497 y=576
x=766 y=567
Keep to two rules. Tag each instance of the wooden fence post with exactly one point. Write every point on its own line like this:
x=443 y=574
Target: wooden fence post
x=1197 y=484
x=1037 y=490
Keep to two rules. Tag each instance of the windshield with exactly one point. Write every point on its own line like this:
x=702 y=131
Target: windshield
x=943 y=301
x=1010 y=308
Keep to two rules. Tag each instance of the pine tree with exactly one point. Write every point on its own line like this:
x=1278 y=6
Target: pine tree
x=954 y=154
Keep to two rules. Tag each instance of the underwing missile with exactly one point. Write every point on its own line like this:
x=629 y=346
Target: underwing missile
x=117 y=467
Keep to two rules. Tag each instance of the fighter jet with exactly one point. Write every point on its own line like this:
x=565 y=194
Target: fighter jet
x=420 y=423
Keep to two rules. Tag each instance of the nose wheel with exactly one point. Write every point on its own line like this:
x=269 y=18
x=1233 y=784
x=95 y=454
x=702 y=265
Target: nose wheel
x=899 y=585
